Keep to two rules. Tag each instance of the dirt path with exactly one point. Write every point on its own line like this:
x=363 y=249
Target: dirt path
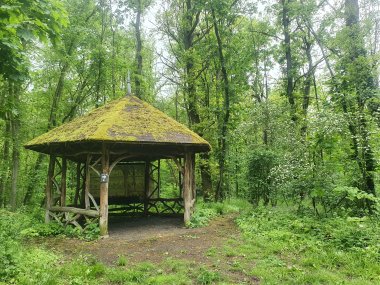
x=152 y=239
x=155 y=239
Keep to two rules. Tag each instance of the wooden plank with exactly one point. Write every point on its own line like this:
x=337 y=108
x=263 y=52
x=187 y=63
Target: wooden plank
x=63 y=182
x=103 y=220
x=80 y=211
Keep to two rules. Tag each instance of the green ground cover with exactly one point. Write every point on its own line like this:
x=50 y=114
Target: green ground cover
x=277 y=246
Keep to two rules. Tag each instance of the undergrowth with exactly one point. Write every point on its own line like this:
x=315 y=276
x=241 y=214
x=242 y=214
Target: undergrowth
x=277 y=246
x=206 y=211
x=20 y=264
x=289 y=248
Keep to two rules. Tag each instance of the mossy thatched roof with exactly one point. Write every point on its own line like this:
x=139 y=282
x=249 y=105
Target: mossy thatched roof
x=127 y=120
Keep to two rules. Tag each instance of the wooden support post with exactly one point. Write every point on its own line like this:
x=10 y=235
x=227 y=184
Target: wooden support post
x=193 y=181
x=78 y=185
x=189 y=186
x=180 y=173
x=63 y=182
x=103 y=220
x=49 y=187
x=159 y=178
x=146 y=186
x=87 y=184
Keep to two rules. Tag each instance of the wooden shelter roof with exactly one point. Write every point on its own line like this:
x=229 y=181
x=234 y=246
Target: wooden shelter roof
x=127 y=124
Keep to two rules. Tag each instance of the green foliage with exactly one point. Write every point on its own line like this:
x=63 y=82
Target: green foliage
x=260 y=182
x=202 y=217
x=27 y=266
x=296 y=249
x=42 y=229
x=22 y=22
x=205 y=212
x=278 y=245
x=91 y=231
x=207 y=277
x=121 y=261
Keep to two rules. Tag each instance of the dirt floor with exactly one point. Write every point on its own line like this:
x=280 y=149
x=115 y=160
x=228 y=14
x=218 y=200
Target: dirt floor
x=154 y=239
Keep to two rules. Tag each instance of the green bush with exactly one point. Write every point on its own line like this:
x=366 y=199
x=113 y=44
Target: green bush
x=206 y=211
x=260 y=182
x=206 y=276
x=290 y=248
x=121 y=260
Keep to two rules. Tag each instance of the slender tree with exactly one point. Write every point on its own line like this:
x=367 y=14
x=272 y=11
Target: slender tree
x=356 y=89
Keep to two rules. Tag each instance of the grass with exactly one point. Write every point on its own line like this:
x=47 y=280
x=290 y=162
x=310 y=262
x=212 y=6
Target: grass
x=122 y=261
x=283 y=248
x=277 y=246
x=205 y=212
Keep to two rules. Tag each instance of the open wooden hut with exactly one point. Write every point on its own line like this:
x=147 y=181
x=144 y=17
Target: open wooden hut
x=116 y=149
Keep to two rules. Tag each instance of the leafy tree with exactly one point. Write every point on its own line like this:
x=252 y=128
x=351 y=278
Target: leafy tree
x=23 y=22
x=354 y=89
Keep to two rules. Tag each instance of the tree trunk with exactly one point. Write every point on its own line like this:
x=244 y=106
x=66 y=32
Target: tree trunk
x=206 y=177
x=363 y=90
x=15 y=129
x=139 y=59
x=191 y=19
x=15 y=168
x=113 y=29
x=52 y=122
x=4 y=174
x=307 y=87
x=99 y=82
x=266 y=130
x=220 y=191
x=289 y=60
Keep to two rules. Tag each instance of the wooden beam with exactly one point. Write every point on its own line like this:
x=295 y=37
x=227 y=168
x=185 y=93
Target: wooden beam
x=49 y=187
x=103 y=220
x=63 y=182
x=189 y=187
x=118 y=160
x=85 y=212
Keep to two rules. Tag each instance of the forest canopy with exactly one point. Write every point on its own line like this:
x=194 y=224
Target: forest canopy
x=286 y=92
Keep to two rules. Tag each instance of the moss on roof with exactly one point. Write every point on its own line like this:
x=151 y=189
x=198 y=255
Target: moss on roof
x=128 y=119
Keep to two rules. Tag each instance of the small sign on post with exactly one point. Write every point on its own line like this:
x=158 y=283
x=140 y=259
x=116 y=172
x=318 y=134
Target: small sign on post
x=103 y=178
